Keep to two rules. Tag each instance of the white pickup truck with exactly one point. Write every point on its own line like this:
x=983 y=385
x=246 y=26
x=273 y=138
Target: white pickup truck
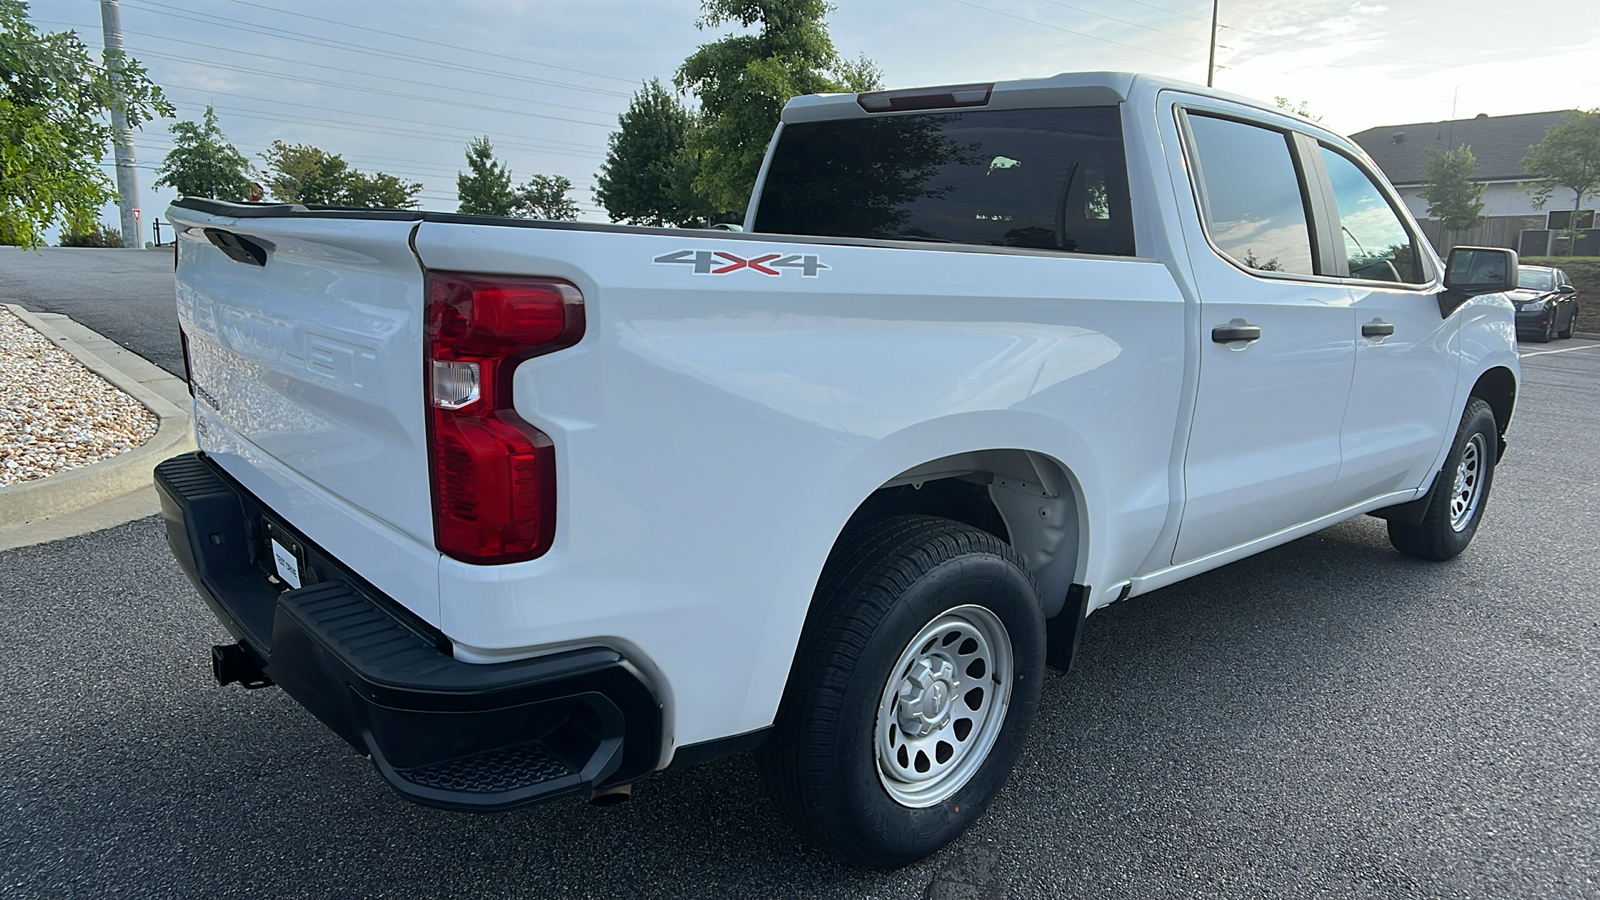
x=525 y=510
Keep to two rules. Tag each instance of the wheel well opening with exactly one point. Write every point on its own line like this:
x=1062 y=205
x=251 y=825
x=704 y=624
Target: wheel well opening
x=1498 y=388
x=1021 y=497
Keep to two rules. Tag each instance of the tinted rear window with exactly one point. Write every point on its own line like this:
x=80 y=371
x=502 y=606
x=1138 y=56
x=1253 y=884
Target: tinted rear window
x=1050 y=179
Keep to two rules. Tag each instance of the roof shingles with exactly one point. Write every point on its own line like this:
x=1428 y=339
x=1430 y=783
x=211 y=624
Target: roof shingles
x=1499 y=142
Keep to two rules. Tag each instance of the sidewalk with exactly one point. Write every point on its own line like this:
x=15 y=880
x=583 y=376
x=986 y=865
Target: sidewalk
x=114 y=490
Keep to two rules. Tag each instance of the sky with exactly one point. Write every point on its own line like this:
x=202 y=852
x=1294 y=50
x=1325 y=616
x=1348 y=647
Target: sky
x=401 y=86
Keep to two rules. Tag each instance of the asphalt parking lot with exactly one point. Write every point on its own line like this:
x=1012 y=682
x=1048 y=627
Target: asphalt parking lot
x=126 y=295
x=1326 y=719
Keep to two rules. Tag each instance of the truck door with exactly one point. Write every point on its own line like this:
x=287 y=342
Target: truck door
x=1402 y=402
x=1277 y=347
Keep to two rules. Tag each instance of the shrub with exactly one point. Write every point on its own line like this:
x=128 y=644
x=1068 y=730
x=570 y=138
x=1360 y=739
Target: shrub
x=102 y=236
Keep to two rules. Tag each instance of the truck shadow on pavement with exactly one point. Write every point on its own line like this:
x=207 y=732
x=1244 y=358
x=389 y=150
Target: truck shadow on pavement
x=1271 y=722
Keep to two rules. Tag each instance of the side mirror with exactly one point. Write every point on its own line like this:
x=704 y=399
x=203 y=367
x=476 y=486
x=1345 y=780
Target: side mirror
x=1567 y=289
x=1481 y=270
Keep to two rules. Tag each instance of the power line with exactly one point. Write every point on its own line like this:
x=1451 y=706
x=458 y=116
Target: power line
x=1166 y=10
x=303 y=119
x=366 y=90
x=296 y=62
x=1071 y=31
x=1102 y=16
x=553 y=143
x=1313 y=44
x=477 y=51
x=1282 y=37
x=162 y=9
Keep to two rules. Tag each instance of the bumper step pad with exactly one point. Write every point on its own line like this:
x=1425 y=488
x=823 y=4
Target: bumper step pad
x=495 y=772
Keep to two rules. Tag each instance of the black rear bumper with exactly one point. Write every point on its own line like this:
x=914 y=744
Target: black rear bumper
x=442 y=732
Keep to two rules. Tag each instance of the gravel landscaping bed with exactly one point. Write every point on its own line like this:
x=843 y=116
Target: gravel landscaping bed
x=55 y=414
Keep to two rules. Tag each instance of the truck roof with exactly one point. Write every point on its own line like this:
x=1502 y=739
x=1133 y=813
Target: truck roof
x=1063 y=90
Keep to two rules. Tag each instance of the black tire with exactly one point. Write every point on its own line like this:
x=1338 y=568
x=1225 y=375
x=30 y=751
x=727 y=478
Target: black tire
x=1549 y=333
x=1572 y=323
x=1438 y=536
x=884 y=585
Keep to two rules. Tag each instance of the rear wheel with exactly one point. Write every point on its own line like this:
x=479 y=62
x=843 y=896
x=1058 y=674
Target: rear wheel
x=912 y=692
x=1460 y=492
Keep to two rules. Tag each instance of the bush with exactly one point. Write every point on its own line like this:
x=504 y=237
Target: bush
x=1585 y=275
x=102 y=236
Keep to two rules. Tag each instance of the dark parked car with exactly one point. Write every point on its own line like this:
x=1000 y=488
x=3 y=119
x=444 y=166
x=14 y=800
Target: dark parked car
x=1547 y=303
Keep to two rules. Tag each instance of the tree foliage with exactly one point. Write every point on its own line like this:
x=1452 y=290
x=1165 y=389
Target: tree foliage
x=96 y=236
x=1452 y=197
x=742 y=82
x=55 y=104
x=648 y=178
x=203 y=164
x=547 y=197
x=1567 y=157
x=1301 y=109
x=485 y=189
x=301 y=173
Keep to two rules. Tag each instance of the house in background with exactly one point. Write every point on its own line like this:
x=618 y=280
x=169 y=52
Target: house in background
x=1500 y=143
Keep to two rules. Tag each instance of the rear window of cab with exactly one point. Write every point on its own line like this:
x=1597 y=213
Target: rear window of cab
x=1046 y=179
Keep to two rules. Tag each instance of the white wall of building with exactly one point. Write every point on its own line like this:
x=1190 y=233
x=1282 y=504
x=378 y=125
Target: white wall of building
x=1499 y=199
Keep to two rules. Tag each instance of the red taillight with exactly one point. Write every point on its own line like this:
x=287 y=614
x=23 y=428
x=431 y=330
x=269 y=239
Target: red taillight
x=494 y=482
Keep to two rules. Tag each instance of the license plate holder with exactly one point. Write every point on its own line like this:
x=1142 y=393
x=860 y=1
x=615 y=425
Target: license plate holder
x=287 y=557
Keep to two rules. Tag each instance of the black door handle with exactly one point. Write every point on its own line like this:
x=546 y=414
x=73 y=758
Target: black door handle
x=1227 y=334
x=1377 y=329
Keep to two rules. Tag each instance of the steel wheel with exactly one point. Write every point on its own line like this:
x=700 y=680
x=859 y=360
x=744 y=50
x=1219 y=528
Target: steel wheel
x=943 y=706
x=1468 y=484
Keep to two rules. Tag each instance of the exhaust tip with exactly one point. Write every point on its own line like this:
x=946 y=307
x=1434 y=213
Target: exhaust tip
x=611 y=796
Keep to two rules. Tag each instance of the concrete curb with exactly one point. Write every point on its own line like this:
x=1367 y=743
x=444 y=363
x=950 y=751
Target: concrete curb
x=157 y=390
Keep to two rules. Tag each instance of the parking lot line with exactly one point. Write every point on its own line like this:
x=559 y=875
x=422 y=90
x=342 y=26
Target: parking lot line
x=1595 y=346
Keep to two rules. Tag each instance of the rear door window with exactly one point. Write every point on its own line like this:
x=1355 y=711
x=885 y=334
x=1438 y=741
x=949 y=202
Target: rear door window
x=1255 y=207
x=1047 y=179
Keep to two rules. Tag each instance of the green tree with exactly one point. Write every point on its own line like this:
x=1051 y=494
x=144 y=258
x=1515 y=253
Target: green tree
x=55 y=103
x=97 y=235
x=742 y=82
x=203 y=164
x=1447 y=186
x=486 y=189
x=547 y=197
x=648 y=178
x=1567 y=157
x=1301 y=109
x=380 y=190
x=301 y=173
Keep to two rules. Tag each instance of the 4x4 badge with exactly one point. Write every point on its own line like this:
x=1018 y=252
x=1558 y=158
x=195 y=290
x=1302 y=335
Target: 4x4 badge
x=720 y=262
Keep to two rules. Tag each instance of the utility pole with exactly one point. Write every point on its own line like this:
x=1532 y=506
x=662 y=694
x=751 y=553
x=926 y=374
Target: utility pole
x=122 y=139
x=1211 y=62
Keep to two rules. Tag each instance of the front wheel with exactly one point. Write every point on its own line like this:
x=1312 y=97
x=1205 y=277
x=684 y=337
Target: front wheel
x=1460 y=491
x=912 y=692
x=1572 y=323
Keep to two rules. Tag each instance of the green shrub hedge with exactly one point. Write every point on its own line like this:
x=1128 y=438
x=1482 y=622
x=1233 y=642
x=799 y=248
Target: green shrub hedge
x=100 y=237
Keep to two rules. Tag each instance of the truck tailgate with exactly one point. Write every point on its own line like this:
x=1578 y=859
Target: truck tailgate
x=307 y=372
